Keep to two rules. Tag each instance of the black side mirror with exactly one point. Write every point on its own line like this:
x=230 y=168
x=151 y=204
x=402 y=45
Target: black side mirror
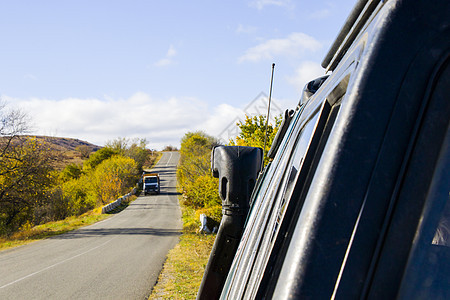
x=237 y=168
x=311 y=88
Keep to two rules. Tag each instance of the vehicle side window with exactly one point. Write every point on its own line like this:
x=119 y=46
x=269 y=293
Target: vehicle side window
x=294 y=167
x=442 y=234
x=427 y=275
x=310 y=143
x=288 y=176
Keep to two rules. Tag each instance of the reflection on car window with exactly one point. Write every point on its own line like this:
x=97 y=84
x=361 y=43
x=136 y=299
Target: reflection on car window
x=296 y=163
x=286 y=184
x=259 y=213
x=427 y=274
x=442 y=235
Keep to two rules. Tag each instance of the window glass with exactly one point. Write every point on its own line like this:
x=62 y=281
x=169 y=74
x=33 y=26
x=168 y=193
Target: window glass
x=150 y=180
x=442 y=234
x=297 y=161
x=427 y=275
x=262 y=203
x=285 y=189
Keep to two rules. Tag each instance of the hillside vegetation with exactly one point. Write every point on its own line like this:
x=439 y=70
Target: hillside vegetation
x=39 y=184
x=198 y=187
x=65 y=144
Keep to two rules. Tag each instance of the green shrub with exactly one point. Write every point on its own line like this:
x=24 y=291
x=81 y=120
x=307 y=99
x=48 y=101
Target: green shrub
x=113 y=177
x=199 y=188
x=95 y=187
x=203 y=195
x=99 y=156
x=191 y=221
x=71 y=171
x=80 y=195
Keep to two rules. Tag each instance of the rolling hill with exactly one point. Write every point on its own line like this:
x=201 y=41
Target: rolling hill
x=67 y=144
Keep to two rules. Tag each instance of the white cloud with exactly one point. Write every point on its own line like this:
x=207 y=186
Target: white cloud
x=246 y=29
x=295 y=44
x=320 y=14
x=168 y=59
x=260 y=4
x=221 y=123
x=163 y=62
x=161 y=122
x=171 y=52
x=220 y=119
x=30 y=76
x=306 y=71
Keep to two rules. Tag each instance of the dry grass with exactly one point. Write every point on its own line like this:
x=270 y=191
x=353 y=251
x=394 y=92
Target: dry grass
x=184 y=267
x=183 y=270
x=152 y=160
x=29 y=235
x=66 y=146
x=43 y=231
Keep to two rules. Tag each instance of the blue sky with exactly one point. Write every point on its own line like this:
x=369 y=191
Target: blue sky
x=98 y=70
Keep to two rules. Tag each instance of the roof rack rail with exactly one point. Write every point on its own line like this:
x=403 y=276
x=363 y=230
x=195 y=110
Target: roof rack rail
x=352 y=26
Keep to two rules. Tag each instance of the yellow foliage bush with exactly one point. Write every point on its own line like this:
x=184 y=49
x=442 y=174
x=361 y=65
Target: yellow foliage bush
x=199 y=188
x=80 y=196
x=96 y=187
x=113 y=177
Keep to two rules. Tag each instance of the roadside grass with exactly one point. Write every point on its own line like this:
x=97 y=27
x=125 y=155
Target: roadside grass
x=183 y=270
x=124 y=204
x=152 y=160
x=43 y=231
x=184 y=267
x=29 y=235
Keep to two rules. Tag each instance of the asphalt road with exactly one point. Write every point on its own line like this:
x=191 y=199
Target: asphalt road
x=119 y=258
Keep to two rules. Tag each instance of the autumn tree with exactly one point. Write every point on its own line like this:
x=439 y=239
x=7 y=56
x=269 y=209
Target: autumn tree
x=84 y=150
x=199 y=188
x=170 y=148
x=71 y=171
x=33 y=189
x=195 y=156
x=108 y=173
x=77 y=196
x=138 y=152
x=133 y=148
x=98 y=156
x=113 y=176
x=253 y=132
x=27 y=168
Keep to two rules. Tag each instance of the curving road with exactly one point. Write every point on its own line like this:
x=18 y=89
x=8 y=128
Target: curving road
x=119 y=258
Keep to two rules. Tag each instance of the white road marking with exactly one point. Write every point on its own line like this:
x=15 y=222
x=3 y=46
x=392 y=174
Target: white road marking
x=169 y=159
x=54 y=265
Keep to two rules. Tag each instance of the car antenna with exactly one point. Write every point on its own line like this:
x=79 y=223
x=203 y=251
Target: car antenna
x=268 y=113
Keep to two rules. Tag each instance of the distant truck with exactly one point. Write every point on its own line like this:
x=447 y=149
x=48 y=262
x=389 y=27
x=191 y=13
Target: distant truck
x=151 y=184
